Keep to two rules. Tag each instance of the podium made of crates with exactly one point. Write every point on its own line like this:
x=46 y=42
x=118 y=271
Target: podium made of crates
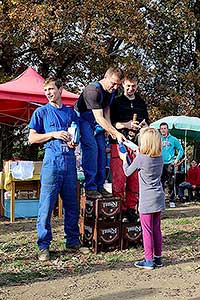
x=101 y=225
x=131 y=234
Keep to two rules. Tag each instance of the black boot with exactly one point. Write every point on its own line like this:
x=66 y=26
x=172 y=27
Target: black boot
x=93 y=194
x=104 y=193
x=131 y=214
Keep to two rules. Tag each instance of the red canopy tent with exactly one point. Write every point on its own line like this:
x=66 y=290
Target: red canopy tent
x=20 y=97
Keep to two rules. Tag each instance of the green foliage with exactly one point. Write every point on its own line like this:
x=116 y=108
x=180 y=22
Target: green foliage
x=14 y=144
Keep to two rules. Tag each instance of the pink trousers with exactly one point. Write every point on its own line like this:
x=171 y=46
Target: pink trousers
x=152 y=235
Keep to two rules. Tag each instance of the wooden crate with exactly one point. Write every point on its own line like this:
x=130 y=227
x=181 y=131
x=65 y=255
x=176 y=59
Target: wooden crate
x=107 y=236
x=106 y=210
x=86 y=231
x=131 y=235
x=100 y=236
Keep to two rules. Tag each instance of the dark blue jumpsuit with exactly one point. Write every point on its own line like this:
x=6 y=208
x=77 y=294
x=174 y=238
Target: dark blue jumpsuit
x=58 y=175
x=92 y=143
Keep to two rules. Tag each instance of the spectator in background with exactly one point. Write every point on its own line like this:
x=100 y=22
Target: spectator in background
x=170 y=145
x=192 y=180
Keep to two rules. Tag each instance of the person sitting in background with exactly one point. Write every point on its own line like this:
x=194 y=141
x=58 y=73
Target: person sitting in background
x=192 y=180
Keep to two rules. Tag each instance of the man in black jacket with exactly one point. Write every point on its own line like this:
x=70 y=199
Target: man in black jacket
x=122 y=110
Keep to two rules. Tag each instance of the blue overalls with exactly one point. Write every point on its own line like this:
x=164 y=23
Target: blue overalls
x=93 y=152
x=93 y=147
x=58 y=175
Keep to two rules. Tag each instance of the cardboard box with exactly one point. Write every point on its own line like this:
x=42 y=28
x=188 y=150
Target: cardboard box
x=23 y=208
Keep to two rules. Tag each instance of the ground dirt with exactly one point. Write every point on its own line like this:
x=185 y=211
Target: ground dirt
x=179 y=279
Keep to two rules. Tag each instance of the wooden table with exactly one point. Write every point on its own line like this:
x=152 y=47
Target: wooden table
x=22 y=185
x=32 y=184
x=12 y=184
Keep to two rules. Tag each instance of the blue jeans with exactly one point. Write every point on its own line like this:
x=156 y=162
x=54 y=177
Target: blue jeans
x=58 y=176
x=184 y=185
x=93 y=156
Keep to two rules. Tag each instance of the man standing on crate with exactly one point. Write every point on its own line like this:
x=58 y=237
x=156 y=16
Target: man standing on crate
x=50 y=125
x=94 y=108
x=170 y=145
x=122 y=111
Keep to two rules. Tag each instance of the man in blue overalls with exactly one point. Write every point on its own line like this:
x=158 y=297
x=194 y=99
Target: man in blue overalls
x=94 y=108
x=49 y=125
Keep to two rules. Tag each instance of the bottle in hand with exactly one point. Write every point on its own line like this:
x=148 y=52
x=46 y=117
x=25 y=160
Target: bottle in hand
x=75 y=133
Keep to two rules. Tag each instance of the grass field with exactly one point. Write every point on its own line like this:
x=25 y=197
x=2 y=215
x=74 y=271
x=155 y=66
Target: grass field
x=18 y=251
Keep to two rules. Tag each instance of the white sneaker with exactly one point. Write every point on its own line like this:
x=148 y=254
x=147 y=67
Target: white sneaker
x=172 y=204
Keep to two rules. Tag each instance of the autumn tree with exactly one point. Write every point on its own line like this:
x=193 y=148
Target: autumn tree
x=78 y=39
x=173 y=57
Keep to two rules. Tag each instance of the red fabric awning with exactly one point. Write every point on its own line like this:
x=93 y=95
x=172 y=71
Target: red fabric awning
x=20 y=97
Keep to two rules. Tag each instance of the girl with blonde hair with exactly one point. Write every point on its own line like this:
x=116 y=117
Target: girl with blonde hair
x=149 y=164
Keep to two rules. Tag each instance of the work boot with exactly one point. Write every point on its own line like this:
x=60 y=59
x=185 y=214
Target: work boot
x=93 y=194
x=131 y=215
x=73 y=248
x=44 y=255
x=105 y=193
